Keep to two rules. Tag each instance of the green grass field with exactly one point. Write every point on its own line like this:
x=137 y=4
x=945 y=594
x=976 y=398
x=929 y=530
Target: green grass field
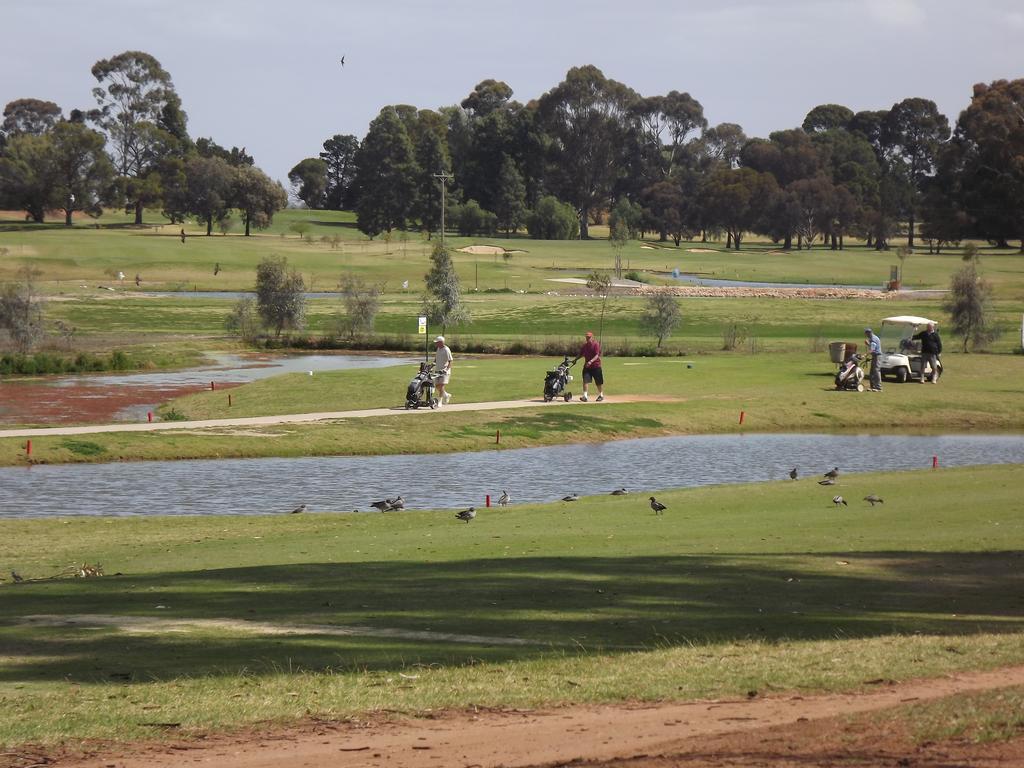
x=86 y=255
x=763 y=587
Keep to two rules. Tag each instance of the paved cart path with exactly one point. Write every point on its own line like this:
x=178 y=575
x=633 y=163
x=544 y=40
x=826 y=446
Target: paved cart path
x=298 y=418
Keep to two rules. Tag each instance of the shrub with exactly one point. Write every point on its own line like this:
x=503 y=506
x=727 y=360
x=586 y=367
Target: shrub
x=553 y=220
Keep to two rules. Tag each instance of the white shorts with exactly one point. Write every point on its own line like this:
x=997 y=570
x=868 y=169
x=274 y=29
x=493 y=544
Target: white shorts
x=444 y=378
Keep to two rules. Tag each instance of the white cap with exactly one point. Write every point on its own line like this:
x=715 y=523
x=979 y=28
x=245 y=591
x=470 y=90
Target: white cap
x=439 y=338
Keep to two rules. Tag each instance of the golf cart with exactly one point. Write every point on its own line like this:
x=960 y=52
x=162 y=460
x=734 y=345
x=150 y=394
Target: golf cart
x=901 y=355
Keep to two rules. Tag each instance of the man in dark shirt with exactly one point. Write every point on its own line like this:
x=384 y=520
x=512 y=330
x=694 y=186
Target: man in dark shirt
x=931 y=348
x=591 y=354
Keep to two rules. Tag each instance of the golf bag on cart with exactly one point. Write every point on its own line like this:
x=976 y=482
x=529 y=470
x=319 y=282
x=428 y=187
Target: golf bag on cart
x=556 y=381
x=851 y=375
x=420 y=393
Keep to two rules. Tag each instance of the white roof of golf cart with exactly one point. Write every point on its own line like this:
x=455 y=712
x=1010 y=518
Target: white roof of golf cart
x=908 y=320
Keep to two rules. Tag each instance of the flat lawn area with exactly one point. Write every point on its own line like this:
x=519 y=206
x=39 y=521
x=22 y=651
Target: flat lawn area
x=776 y=392
x=85 y=254
x=213 y=622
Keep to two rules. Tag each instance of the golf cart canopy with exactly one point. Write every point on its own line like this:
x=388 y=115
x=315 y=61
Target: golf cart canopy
x=908 y=320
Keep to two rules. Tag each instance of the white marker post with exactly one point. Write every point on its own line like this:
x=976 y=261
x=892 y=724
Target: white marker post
x=423 y=330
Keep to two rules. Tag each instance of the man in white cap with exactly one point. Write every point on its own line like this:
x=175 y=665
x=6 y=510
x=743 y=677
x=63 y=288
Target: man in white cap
x=442 y=366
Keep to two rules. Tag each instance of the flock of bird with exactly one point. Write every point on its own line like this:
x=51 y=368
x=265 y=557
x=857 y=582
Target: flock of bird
x=830 y=478
x=397 y=503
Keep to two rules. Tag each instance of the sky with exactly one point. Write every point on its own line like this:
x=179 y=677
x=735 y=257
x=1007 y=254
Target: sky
x=267 y=75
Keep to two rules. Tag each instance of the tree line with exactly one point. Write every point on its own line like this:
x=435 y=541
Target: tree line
x=131 y=150
x=594 y=145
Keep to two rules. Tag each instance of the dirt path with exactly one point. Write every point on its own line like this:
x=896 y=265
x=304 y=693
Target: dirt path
x=639 y=736
x=295 y=418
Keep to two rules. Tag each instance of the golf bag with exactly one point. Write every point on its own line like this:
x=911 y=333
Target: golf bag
x=420 y=393
x=851 y=375
x=556 y=381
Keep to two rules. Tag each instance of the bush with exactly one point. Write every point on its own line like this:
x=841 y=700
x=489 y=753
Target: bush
x=553 y=220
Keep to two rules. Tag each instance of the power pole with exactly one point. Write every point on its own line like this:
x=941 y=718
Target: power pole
x=444 y=177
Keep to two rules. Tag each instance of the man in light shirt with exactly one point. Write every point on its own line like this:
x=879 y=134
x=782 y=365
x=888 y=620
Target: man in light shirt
x=443 y=367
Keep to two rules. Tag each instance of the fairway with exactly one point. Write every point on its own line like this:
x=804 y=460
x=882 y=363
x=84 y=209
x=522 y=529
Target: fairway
x=212 y=621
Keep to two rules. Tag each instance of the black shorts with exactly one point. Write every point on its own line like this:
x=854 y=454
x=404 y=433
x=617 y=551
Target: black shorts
x=593 y=374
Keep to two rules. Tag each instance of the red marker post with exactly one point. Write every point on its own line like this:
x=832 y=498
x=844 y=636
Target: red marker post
x=487 y=500
x=497 y=436
x=742 y=414
x=935 y=462
x=213 y=385
x=229 y=401
x=28 y=447
x=149 y=416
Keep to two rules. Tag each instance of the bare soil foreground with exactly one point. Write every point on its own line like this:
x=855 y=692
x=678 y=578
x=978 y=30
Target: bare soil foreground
x=786 y=731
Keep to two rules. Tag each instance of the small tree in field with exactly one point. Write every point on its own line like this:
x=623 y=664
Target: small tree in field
x=21 y=312
x=969 y=307
x=442 y=303
x=244 y=320
x=362 y=301
x=280 y=295
x=661 y=315
x=601 y=285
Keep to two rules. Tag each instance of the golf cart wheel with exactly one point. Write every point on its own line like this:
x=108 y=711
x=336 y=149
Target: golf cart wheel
x=902 y=374
x=547 y=398
x=567 y=396
x=860 y=387
x=433 y=403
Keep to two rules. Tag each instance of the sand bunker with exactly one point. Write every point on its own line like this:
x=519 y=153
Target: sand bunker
x=701 y=250
x=486 y=250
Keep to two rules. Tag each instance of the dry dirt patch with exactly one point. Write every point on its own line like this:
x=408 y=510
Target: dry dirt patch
x=786 y=731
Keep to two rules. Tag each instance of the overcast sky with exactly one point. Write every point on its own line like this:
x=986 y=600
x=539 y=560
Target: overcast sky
x=266 y=75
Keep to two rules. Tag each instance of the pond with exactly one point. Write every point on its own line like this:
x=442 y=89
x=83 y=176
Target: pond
x=343 y=484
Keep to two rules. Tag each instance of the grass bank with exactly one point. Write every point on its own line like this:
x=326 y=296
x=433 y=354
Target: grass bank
x=224 y=621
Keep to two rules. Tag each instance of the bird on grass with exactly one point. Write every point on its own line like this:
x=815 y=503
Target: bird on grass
x=504 y=499
x=872 y=499
x=382 y=506
x=657 y=506
x=300 y=508
x=792 y=474
x=571 y=497
x=17 y=577
x=827 y=481
x=832 y=473
x=466 y=514
x=837 y=500
x=396 y=503
x=619 y=492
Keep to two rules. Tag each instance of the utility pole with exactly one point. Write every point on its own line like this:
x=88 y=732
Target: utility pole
x=444 y=177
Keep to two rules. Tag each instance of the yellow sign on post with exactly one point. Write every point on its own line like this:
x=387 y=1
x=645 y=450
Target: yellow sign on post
x=423 y=325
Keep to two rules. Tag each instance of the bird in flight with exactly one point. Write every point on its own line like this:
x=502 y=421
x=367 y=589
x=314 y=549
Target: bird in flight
x=657 y=506
x=466 y=514
x=343 y=61
x=837 y=500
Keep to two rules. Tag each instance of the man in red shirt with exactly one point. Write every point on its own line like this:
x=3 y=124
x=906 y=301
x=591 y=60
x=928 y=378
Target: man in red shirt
x=591 y=354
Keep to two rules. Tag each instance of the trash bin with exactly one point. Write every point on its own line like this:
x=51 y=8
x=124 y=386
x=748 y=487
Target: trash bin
x=837 y=351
